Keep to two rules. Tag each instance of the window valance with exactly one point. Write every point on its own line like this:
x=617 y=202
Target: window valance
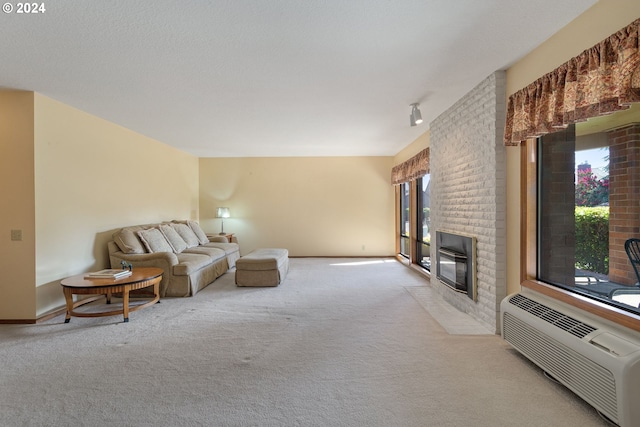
x=414 y=168
x=599 y=81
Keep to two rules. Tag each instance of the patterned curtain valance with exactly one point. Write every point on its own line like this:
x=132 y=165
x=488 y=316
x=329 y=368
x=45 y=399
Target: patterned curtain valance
x=599 y=81
x=414 y=168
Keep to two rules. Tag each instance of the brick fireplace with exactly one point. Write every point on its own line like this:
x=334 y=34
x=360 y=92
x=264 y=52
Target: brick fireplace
x=468 y=196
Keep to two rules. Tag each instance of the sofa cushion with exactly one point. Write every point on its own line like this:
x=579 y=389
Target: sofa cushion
x=228 y=248
x=214 y=253
x=154 y=240
x=128 y=241
x=186 y=233
x=174 y=239
x=190 y=263
x=201 y=235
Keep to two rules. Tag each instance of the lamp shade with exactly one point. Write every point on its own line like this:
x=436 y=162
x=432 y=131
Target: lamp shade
x=222 y=213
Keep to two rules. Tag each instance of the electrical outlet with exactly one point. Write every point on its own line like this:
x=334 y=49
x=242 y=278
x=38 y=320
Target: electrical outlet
x=16 y=235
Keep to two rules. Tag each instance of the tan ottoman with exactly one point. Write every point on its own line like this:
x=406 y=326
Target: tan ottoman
x=262 y=267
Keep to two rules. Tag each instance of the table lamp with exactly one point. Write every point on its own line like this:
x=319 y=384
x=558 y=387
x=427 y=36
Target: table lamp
x=222 y=213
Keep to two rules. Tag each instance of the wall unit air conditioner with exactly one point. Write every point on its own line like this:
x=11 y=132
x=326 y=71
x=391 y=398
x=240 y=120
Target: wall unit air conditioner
x=596 y=359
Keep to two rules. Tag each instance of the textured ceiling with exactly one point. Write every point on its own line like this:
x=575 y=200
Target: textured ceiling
x=271 y=78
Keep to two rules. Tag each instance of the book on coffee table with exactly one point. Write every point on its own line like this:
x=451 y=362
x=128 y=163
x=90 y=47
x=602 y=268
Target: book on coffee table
x=109 y=273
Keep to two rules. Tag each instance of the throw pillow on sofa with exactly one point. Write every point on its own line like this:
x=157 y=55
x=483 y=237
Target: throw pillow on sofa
x=174 y=239
x=128 y=241
x=154 y=240
x=186 y=233
x=202 y=236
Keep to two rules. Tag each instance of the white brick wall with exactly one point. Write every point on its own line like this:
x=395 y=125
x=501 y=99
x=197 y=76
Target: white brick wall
x=468 y=191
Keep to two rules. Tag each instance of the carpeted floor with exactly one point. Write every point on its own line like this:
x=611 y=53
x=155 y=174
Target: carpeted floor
x=341 y=342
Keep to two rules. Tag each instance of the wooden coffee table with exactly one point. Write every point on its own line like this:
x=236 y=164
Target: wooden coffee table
x=80 y=285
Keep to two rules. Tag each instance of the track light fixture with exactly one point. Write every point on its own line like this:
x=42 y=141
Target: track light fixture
x=415 y=117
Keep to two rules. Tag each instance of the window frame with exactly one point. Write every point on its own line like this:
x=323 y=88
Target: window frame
x=404 y=240
x=411 y=259
x=529 y=248
x=419 y=219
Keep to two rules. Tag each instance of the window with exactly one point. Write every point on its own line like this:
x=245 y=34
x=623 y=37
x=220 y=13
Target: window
x=423 y=186
x=404 y=177
x=588 y=206
x=405 y=219
x=414 y=221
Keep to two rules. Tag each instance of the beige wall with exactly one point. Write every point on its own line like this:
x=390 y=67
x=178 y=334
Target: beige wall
x=599 y=22
x=92 y=176
x=326 y=206
x=17 y=261
x=412 y=149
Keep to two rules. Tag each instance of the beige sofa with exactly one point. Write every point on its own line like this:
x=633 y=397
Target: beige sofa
x=190 y=259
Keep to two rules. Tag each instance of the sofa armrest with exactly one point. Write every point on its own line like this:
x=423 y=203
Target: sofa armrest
x=216 y=238
x=163 y=260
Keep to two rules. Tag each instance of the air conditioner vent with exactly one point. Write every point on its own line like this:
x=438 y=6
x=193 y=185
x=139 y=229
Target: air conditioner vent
x=600 y=364
x=594 y=383
x=560 y=320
